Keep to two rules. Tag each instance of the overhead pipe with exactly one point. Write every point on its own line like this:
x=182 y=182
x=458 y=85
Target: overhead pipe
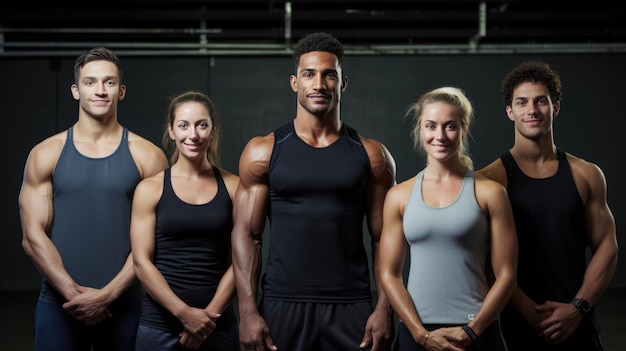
x=482 y=26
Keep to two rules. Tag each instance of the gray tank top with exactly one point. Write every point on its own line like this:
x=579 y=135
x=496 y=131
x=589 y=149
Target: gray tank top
x=92 y=205
x=448 y=250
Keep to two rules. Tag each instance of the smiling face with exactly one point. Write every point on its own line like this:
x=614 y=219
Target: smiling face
x=441 y=131
x=318 y=83
x=532 y=110
x=98 y=89
x=191 y=130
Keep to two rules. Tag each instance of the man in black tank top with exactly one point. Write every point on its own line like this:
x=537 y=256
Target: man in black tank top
x=316 y=180
x=560 y=207
x=75 y=205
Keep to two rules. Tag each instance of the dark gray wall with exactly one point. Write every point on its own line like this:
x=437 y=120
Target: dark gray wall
x=252 y=96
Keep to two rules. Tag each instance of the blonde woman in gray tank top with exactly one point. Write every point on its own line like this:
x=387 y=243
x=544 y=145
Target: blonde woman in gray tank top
x=460 y=232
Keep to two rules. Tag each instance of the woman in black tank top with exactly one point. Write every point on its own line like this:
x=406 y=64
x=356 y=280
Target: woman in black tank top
x=180 y=236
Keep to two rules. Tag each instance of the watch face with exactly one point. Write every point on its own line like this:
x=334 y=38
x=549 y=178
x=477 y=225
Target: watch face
x=581 y=305
x=584 y=306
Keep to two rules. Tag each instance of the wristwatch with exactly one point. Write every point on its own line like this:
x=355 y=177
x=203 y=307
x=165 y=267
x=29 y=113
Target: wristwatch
x=581 y=305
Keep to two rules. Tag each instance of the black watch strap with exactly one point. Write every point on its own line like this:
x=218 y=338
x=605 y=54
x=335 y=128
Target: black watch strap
x=582 y=306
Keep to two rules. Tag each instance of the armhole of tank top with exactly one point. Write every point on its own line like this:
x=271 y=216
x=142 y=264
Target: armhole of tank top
x=416 y=192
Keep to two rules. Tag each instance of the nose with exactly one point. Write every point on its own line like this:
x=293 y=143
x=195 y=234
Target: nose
x=319 y=82
x=193 y=133
x=440 y=134
x=100 y=90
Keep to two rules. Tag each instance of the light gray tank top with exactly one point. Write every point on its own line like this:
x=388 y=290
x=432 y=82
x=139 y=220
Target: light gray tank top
x=92 y=205
x=448 y=251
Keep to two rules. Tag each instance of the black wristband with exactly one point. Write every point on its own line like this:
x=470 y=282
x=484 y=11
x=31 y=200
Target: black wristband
x=469 y=332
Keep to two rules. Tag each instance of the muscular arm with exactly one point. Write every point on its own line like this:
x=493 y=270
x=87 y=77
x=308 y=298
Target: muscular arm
x=250 y=209
x=601 y=236
x=383 y=176
x=36 y=211
x=392 y=258
x=143 y=243
x=519 y=300
x=504 y=251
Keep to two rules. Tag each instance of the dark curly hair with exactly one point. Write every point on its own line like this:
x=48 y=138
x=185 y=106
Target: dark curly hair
x=531 y=71
x=318 y=41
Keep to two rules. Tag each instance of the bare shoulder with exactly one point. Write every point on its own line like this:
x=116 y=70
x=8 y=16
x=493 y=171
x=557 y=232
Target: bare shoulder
x=494 y=171
x=259 y=147
x=150 y=189
x=398 y=196
x=402 y=189
x=584 y=168
x=483 y=183
x=45 y=154
x=150 y=159
x=141 y=144
x=379 y=155
x=589 y=178
x=489 y=193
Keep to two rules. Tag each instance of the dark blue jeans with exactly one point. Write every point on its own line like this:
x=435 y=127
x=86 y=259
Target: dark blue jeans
x=56 y=330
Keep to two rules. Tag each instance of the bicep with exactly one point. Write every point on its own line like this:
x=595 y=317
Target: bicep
x=502 y=232
x=35 y=198
x=600 y=220
x=143 y=222
x=252 y=195
x=250 y=207
x=382 y=178
x=392 y=241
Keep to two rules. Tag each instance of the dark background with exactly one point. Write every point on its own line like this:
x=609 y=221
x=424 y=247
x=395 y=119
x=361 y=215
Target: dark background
x=253 y=96
x=238 y=52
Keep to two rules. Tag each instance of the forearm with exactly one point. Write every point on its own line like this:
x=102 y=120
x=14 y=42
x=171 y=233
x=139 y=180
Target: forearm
x=158 y=288
x=224 y=294
x=599 y=272
x=382 y=302
x=494 y=302
x=120 y=283
x=49 y=263
x=246 y=269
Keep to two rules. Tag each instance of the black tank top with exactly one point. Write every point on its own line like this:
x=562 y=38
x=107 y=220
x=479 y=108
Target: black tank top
x=316 y=212
x=550 y=222
x=92 y=200
x=192 y=250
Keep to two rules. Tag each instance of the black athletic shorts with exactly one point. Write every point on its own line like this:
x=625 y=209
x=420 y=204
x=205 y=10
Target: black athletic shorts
x=306 y=326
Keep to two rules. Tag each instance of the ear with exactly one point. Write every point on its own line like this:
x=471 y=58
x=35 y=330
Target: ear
x=509 y=112
x=75 y=92
x=344 y=83
x=556 y=109
x=122 y=92
x=170 y=132
x=293 y=82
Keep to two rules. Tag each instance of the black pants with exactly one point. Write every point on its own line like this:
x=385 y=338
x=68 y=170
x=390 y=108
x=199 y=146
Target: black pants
x=520 y=336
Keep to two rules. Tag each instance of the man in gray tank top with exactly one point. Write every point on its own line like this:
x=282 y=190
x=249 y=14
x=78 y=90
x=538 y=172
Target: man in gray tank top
x=75 y=205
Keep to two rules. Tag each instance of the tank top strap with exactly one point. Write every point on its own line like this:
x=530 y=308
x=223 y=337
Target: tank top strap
x=219 y=179
x=167 y=180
